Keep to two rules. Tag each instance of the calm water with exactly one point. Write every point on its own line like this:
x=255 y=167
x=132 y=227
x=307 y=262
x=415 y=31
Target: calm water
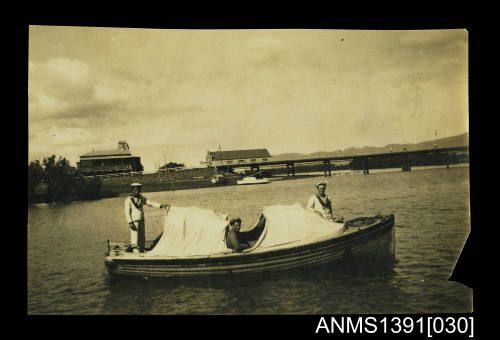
x=67 y=242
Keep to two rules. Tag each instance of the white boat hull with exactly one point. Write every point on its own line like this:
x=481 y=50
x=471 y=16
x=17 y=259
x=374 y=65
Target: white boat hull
x=252 y=180
x=258 y=181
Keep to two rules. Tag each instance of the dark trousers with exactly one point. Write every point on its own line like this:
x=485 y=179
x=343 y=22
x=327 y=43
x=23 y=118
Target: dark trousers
x=141 y=237
x=140 y=234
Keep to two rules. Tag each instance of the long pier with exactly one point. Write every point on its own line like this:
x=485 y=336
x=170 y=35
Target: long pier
x=405 y=162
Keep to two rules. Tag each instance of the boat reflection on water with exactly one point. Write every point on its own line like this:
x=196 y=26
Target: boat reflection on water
x=242 y=294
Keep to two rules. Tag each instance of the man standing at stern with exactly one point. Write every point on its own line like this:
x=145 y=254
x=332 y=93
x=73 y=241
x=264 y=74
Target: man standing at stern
x=134 y=214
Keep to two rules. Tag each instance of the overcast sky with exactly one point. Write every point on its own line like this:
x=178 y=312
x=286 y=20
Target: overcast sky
x=175 y=94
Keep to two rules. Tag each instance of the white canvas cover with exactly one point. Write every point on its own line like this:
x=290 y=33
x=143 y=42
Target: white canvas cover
x=293 y=225
x=191 y=231
x=200 y=232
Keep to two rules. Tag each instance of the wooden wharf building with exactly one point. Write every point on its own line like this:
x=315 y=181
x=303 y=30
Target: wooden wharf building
x=229 y=158
x=102 y=162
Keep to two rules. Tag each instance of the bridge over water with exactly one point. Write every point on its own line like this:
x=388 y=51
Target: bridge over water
x=403 y=155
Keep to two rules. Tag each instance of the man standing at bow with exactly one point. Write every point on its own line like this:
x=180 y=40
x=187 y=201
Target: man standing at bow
x=134 y=214
x=322 y=203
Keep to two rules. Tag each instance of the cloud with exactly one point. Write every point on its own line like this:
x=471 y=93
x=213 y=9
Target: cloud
x=62 y=79
x=62 y=89
x=57 y=85
x=287 y=90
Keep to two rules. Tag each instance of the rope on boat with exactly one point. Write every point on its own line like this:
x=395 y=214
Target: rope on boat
x=361 y=221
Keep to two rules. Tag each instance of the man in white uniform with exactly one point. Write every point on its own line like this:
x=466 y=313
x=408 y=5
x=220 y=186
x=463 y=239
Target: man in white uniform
x=322 y=203
x=134 y=214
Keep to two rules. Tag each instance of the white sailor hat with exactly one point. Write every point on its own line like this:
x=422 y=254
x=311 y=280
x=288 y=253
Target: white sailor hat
x=325 y=182
x=136 y=185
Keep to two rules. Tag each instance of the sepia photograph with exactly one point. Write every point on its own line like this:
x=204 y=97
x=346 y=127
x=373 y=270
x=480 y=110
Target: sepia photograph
x=247 y=171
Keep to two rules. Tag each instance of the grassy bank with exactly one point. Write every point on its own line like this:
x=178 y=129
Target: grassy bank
x=45 y=198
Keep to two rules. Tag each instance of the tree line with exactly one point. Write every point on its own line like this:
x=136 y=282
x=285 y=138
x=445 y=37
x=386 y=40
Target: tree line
x=63 y=181
x=171 y=165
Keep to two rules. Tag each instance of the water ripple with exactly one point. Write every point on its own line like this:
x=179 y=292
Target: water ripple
x=66 y=243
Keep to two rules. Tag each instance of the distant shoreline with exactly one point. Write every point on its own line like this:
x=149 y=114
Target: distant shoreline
x=124 y=190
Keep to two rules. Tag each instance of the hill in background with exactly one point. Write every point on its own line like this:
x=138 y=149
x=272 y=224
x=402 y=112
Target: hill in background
x=448 y=142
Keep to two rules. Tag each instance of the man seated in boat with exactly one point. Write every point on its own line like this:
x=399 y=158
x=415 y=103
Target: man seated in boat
x=241 y=240
x=233 y=241
x=322 y=203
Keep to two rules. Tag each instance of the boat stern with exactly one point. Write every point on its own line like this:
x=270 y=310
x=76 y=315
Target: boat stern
x=108 y=261
x=115 y=249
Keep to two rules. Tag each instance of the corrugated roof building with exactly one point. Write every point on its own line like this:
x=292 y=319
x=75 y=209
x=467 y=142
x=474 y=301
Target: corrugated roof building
x=103 y=162
x=232 y=157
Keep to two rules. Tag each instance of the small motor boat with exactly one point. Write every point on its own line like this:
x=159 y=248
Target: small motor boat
x=252 y=180
x=193 y=243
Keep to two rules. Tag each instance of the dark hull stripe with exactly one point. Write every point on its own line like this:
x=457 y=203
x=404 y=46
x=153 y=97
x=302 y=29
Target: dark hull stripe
x=366 y=236
x=367 y=243
x=367 y=246
x=366 y=250
x=241 y=269
x=327 y=258
x=362 y=249
x=224 y=269
x=380 y=246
